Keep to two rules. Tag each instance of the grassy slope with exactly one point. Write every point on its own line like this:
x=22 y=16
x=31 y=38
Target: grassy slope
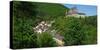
x=52 y=9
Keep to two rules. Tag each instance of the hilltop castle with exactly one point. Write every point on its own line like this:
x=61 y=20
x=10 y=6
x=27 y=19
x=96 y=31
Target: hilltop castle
x=75 y=13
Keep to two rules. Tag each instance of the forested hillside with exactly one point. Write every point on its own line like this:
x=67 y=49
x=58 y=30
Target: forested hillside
x=27 y=15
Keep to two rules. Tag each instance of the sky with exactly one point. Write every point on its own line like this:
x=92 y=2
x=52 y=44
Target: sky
x=89 y=10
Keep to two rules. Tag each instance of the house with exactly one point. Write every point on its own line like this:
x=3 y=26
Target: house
x=43 y=26
x=75 y=13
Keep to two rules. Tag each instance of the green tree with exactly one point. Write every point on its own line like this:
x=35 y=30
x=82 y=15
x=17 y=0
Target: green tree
x=24 y=9
x=73 y=34
x=45 y=40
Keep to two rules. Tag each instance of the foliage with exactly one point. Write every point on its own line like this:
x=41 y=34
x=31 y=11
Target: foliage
x=21 y=9
x=77 y=31
x=24 y=19
x=45 y=40
x=26 y=15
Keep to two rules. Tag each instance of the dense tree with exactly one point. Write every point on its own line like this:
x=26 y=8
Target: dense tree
x=77 y=31
x=26 y=15
x=45 y=40
x=24 y=9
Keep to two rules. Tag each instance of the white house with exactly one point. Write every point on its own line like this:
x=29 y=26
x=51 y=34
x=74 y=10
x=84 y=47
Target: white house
x=43 y=26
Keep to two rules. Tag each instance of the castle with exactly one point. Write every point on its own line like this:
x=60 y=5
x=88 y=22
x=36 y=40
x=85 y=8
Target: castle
x=75 y=13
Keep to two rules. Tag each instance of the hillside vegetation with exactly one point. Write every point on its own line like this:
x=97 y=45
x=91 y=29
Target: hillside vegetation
x=26 y=15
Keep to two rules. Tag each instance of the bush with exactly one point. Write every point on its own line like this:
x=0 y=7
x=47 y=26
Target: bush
x=45 y=40
x=77 y=31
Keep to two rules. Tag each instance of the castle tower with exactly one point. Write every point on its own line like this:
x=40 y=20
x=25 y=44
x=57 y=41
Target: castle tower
x=73 y=10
